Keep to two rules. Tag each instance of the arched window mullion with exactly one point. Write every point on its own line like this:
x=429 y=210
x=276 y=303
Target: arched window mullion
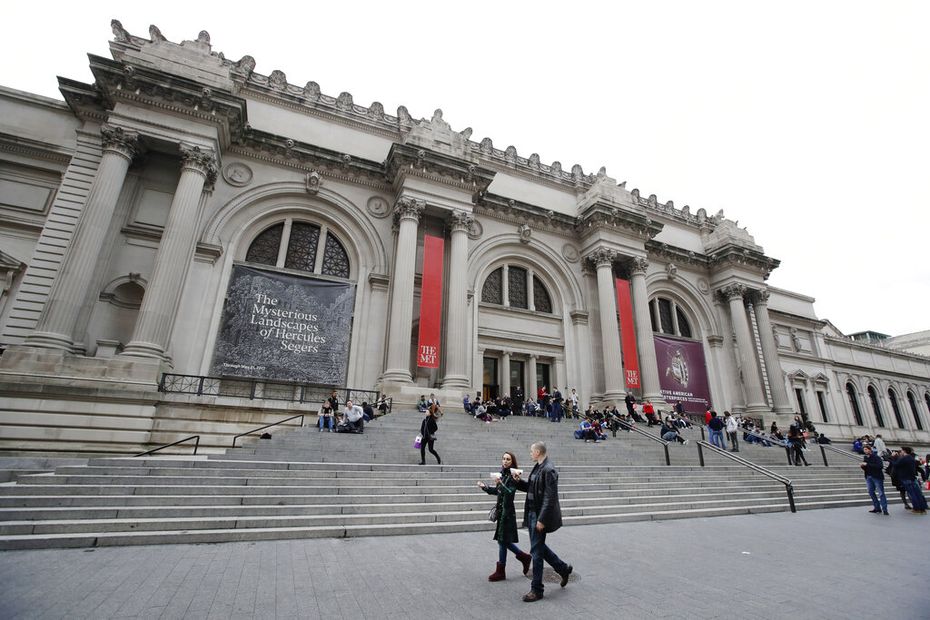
x=324 y=236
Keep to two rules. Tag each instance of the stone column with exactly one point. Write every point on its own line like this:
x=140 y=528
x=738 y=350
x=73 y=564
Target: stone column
x=648 y=368
x=55 y=329
x=770 y=355
x=407 y=213
x=457 y=304
x=610 y=330
x=747 y=350
x=530 y=390
x=505 y=373
x=152 y=334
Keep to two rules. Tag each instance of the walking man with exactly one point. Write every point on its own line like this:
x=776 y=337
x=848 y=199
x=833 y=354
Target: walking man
x=732 y=430
x=872 y=467
x=542 y=515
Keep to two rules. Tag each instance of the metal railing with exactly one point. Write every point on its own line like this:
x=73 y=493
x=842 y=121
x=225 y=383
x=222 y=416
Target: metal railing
x=784 y=443
x=789 y=487
x=261 y=428
x=288 y=391
x=196 y=439
x=825 y=447
x=630 y=427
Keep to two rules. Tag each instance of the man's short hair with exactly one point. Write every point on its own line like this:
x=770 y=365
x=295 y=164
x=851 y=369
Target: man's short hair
x=539 y=446
x=907 y=449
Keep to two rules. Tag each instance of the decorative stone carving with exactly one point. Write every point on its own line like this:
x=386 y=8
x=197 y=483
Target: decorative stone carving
x=314 y=181
x=120 y=140
x=203 y=161
x=246 y=66
x=671 y=271
x=534 y=161
x=762 y=296
x=409 y=208
x=460 y=221
x=475 y=229
x=486 y=146
x=344 y=101
x=577 y=174
x=601 y=257
x=510 y=155
x=437 y=121
x=376 y=111
x=203 y=37
x=703 y=285
x=403 y=116
x=466 y=133
x=732 y=291
x=277 y=80
x=312 y=91
x=378 y=207
x=639 y=265
x=556 y=168
x=119 y=33
x=570 y=253
x=796 y=340
x=525 y=233
x=237 y=174
x=155 y=34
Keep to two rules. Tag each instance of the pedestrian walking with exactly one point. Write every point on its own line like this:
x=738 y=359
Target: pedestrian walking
x=732 y=430
x=872 y=467
x=428 y=430
x=506 y=531
x=906 y=469
x=542 y=516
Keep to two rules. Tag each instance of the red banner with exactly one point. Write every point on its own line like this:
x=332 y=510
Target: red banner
x=627 y=334
x=430 y=303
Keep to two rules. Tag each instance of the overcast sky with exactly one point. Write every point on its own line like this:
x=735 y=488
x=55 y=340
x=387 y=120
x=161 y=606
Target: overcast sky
x=808 y=122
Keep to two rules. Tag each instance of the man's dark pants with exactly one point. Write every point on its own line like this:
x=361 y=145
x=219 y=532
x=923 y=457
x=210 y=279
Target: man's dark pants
x=541 y=552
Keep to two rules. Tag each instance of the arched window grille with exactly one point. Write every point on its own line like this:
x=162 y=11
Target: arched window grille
x=667 y=317
x=264 y=248
x=895 y=408
x=295 y=244
x=854 y=403
x=876 y=408
x=509 y=286
x=493 y=290
x=915 y=411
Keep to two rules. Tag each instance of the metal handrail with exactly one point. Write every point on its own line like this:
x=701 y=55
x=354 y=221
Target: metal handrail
x=630 y=427
x=261 y=428
x=784 y=443
x=825 y=447
x=789 y=487
x=194 y=437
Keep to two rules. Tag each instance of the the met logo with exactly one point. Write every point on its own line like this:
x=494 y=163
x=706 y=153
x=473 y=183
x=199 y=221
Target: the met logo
x=632 y=377
x=428 y=356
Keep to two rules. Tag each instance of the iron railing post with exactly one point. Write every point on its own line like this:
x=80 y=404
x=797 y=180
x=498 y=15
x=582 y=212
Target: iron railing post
x=668 y=459
x=701 y=454
x=703 y=437
x=200 y=386
x=790 y=488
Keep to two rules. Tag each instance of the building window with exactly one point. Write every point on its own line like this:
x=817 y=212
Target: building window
x=301 y=242
x=541 y=299
x=799 y=396
x=822 y=403
x=493 y=290
x=516 y=287
x=667 y=317
x=895 y=408
x=913 y=403
x=684 y=328
x=876 y=409
x=854 y=404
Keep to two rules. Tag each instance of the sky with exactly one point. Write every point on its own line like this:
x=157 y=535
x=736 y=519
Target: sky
x=807 y=122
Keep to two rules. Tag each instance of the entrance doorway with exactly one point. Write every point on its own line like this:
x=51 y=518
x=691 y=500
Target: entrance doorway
x=490 y=388
x=516 y=379
x=542 y=377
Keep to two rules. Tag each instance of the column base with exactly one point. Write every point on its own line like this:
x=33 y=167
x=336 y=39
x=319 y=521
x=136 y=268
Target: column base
x=456 y=382
x=49 y=340
x=151 y=350
x=397 y=375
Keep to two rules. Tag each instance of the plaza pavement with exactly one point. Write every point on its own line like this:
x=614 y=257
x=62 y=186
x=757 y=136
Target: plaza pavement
x=838 y=563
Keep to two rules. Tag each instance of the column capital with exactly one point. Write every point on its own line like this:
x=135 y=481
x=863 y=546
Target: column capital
x=638 y=265
x=121 y=141
x=761 y=297
x=199 y=160
x=601 y=257
x=409 y=208
x=731 y=291
x=461 y=221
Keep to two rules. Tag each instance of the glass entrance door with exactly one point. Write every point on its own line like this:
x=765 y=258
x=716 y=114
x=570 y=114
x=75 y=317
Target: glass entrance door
x=516 y=378
x=491 y=386
x=542 y=377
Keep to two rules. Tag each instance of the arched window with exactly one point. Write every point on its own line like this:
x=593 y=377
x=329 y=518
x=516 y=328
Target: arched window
x=854 y=403
x=301 y=243
x=914 y=411
x=876 y=408
x=512 y=286
x=895 y=408
x=668 y=318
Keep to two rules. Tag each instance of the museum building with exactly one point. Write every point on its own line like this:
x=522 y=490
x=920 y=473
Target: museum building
x=186 y=216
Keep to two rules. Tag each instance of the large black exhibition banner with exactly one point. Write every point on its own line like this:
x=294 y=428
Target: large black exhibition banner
x=278 y=326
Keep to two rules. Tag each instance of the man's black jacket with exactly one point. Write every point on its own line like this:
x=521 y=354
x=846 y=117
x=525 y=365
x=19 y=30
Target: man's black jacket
x=543 y=488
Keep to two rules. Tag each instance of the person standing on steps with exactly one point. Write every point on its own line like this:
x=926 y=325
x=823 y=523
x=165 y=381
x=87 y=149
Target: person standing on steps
x=732 y=430
x=506 y=531
x=428 y=429
x=542 y=515
x=872 y=467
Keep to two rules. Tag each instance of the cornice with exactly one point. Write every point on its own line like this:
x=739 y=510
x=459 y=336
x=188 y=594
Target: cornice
x=35 y=149
x=744 y=258
x=679 y=256
x=517 y=212
x=409 y=160
x=602 y=216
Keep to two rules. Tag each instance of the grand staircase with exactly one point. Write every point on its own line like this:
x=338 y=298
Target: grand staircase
x=307 y=484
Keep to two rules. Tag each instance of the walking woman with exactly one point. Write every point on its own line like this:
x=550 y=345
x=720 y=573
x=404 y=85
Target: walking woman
x=506 y=532
x=428 y=429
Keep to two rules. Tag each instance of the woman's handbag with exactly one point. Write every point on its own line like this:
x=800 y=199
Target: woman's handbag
x=418 y=442
x=494 y=515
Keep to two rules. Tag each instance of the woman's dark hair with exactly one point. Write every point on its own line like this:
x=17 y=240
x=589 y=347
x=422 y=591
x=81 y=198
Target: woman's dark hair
x=513 y=460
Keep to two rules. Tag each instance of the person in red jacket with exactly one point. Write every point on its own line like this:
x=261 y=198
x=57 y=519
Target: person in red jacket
x=650 y=413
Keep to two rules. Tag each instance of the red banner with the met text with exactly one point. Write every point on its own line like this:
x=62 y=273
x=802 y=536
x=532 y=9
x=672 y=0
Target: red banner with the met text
x=627 y=334
x=430 y=303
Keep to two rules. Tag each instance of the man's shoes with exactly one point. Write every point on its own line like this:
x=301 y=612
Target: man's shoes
x=885 y=512
x=568 y=571
x=532 y=597
x=686 y=442
x=875 y=511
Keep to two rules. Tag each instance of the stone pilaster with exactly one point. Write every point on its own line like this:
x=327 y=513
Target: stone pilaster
x=770 y=354
x=152 y=334
x=648 y=368
x=456 y=306
x=530 y=390
x=733 y=294
x=407 y=214
x=603 y=259
x=55 y=329
x=505 y=373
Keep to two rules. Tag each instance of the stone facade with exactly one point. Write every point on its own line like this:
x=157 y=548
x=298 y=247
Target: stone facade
x=126 y=207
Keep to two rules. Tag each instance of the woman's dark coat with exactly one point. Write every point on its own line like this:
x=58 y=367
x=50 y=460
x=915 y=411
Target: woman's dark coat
x=428 y=428
x=506 y=531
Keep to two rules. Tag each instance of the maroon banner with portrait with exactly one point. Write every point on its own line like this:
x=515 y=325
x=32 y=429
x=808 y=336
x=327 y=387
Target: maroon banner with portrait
x=627 y=334
x=430 y=303
x=682 y=373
